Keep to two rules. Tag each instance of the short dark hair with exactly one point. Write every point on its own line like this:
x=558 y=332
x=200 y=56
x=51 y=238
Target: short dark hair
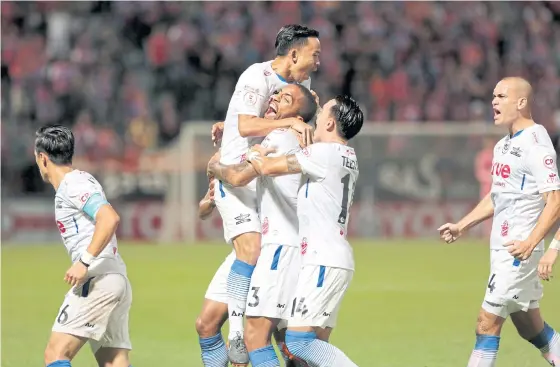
x=292 y=35
x=309 y=108
x=57 y=142
x=348 y=116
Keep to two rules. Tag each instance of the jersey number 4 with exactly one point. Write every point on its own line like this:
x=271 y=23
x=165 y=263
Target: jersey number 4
x=345 y=206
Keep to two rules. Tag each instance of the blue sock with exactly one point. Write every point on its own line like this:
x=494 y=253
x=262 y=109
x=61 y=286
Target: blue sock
x=214 y=353
x=238 y=283
x=548 y=342
x=264 y=357
x=63 y=363
x=485 y=351
x=316 y=352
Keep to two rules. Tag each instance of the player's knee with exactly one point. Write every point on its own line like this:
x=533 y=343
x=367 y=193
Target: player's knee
x=205 y=327
x=488 y=325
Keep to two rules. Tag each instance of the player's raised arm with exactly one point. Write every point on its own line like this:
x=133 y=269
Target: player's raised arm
x=450 y=232
x=235 y=175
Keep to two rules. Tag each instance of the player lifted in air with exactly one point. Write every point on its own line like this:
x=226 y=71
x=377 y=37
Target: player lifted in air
x=96 y=308
x=275 y=277
x=291 y=101
x=524 y=179
x=297 y=56
x=330 y=170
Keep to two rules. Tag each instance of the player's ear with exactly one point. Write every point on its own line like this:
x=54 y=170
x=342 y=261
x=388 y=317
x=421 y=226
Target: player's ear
x=300 y=118
x=522 y=103
x=331 y=124
x=294 y=55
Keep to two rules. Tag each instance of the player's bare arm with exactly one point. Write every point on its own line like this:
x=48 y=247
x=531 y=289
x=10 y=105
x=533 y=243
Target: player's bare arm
x=106 y=223
x=206 y=205
x=450 y=232
x=235 y=174
x=546 y=264
x=550 y=215
x=276 y=166
x=253 y=126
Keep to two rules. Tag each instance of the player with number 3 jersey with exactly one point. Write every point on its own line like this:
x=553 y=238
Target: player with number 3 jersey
x=96 y=308
x=330 y=171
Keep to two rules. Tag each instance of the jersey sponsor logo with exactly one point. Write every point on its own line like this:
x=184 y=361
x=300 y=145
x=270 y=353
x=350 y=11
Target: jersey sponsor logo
x=505 y=228
x=265 y=226
x=84 y=197
x=242 y=218
x=516 y=151
x=250 y=98
x=60 y=226
x=501 y=170
x=548 y=162
x=552 y=178
x=304 y=246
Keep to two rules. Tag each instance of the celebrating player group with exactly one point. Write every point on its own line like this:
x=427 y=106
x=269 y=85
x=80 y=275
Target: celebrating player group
x=283 y=182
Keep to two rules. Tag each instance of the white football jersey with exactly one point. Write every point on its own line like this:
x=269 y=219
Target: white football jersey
x=523 y=168
x=324 y=200
x=251 y=97
x=277 y=196
x=77 y=200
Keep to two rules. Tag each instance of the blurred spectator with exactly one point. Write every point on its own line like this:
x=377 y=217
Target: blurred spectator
x=132 y=72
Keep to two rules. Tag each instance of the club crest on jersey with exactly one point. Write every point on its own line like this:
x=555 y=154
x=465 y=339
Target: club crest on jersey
x=506 y=147
x=552 y=178
x=516 y=151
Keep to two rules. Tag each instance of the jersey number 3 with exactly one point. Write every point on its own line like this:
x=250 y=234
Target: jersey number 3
x=345 y=195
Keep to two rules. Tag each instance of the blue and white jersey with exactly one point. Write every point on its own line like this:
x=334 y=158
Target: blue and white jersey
x=77 y=201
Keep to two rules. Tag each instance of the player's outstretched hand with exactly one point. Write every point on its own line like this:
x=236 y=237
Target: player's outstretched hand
x=217 y=132
x=449 y=232
x=546 y=264
x=521 y=250
x=212 y=164
x=304 y=129
x=76 y=274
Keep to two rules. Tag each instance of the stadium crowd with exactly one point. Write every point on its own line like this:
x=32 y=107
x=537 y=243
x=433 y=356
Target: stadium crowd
x=125 y=75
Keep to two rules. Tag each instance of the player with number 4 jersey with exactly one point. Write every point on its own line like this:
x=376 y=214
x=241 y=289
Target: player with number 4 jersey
x=330 y=171
x=525 y=203
x=96 y=308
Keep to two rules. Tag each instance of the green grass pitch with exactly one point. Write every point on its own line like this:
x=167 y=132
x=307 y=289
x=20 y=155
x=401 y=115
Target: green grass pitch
x=411 y=303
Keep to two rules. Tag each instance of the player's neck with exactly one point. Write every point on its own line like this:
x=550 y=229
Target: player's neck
x=520 y=124
x=57 y=173
x=282 y=68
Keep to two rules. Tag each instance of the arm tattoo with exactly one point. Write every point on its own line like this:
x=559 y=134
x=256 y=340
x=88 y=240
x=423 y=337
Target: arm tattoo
x=293 y=164
x=229 y=173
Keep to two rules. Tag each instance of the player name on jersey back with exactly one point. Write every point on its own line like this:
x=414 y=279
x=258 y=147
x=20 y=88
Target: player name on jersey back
x=324 y=200
x=76 y=191
x=523 y=169
x=277 y=196
x=251 y=97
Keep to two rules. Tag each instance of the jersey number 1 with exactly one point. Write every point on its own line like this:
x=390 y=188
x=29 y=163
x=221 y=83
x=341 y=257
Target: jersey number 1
x=345 y=194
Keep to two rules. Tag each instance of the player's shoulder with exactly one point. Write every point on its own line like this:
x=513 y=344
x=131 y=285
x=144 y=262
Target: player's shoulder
x=77 y=182
x=284 y=140
x=537 y=136
x=259 y=69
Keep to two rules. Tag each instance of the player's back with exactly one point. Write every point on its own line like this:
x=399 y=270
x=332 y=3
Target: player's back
x=523 y=168
x=251 y=96
x=324 y=200
x=277 y=196
x=76 y=193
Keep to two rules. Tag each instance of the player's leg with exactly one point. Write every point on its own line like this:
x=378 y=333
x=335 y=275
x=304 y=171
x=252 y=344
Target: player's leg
x=318 y=298
x=112 y=350
x=488 y=330
x=62 y=348
x=212 y=317
x=258 y=334
x=532 y=328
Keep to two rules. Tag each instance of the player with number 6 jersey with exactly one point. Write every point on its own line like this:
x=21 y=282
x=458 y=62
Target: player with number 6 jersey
x=330 y=171
x=97 y=306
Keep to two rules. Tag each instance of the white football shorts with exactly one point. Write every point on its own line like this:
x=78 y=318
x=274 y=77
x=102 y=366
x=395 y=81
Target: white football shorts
x=274 y=282
x=513 y=285
x=217 y=289
x=318 y=296
x=98 y=310
x=238 y=209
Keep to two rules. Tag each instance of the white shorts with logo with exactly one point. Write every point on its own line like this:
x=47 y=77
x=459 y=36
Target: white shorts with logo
x=513 y=285
x=98 y=310
x=217 y=289
x=318 y=296
x=238 y=209
x=274 y=282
